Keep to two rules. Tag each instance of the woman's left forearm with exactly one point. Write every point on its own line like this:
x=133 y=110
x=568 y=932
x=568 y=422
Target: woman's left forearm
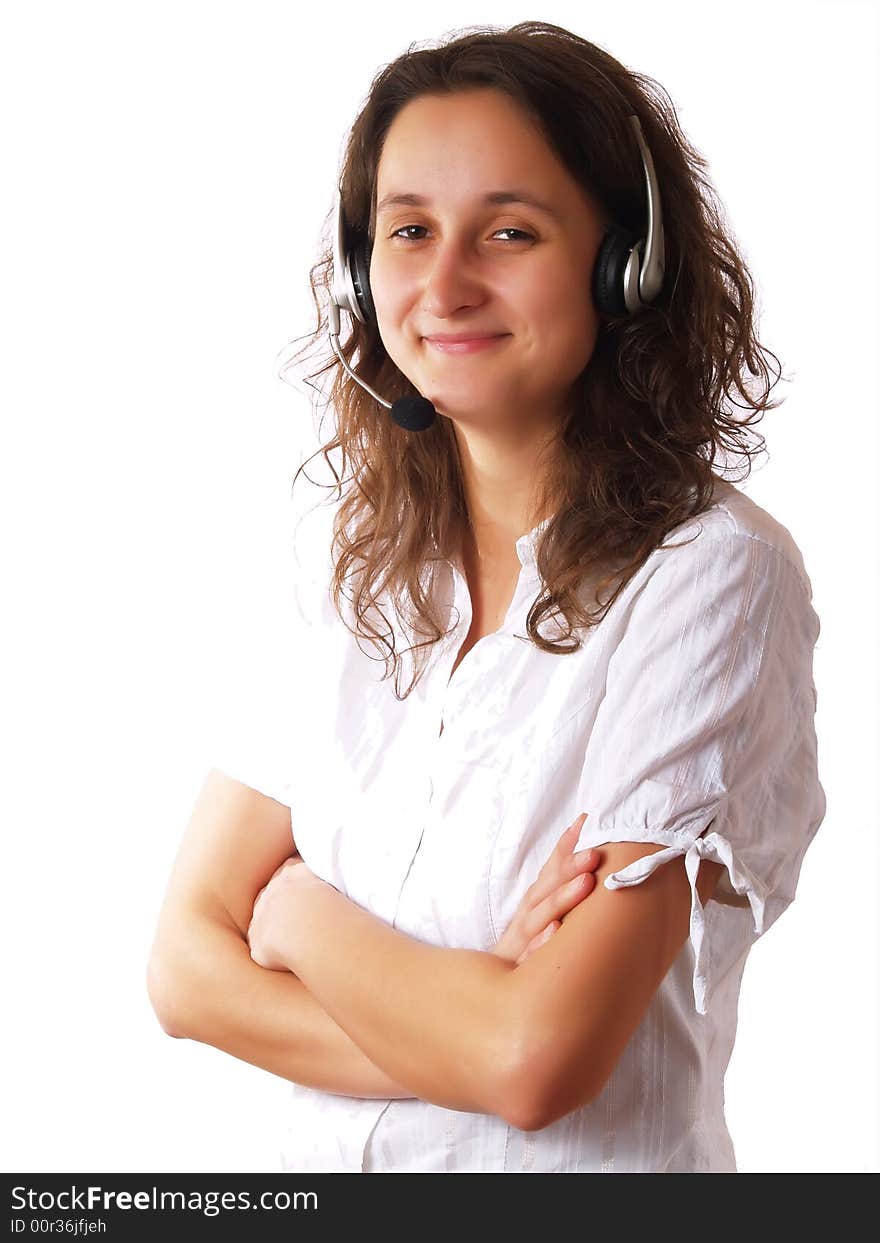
x=440 y=1021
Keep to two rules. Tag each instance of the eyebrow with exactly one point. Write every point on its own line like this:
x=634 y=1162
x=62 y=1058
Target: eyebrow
x=493 y=197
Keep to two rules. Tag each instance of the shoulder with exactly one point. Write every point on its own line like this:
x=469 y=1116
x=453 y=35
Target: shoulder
x=725 y=591
x=739 y=527
x=733 y=558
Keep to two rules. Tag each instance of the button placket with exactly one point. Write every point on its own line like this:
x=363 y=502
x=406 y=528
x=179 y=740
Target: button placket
x=462 y=602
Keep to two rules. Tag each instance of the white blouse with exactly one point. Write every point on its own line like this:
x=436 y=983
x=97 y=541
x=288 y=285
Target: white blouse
x=690 y=706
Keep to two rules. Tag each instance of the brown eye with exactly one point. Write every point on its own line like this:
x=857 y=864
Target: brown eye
x=508 y=229
x=521 y=232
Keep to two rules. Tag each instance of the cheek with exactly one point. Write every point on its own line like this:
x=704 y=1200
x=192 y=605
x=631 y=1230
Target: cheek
x=584 y=343
x=561 y=296
x=571 y=328
x=385 y=287
x=389 y=300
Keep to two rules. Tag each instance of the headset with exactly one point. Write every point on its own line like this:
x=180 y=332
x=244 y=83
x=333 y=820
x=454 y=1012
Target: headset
x=627 y=277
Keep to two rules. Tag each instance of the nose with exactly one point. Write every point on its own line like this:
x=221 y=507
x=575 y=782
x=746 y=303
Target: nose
x=450 y=281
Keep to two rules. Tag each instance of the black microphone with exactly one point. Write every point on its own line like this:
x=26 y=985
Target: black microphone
x=414 y=414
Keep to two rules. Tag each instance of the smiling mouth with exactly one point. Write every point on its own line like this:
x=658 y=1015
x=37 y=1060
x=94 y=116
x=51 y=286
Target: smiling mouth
x=471 y=346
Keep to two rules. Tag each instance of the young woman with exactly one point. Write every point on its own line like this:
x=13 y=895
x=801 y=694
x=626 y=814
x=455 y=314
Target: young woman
x=602 y=634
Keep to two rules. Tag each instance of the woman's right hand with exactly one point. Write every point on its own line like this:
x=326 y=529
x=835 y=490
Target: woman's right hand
x=564 y=881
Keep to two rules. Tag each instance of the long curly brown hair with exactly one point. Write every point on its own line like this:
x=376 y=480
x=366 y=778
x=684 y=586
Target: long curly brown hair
x=651 y=411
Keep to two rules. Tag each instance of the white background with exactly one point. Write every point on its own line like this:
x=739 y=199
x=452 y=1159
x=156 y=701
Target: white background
x=167 y=171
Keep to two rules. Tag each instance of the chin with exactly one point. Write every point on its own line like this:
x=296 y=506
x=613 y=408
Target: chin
x=469 y=415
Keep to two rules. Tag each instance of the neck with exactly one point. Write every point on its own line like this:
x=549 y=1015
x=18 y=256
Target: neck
x=500 y=487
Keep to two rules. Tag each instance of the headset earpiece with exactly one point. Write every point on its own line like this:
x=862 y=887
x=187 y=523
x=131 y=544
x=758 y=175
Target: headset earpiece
x=360 y=276
x=350 y=272
x=616 y=266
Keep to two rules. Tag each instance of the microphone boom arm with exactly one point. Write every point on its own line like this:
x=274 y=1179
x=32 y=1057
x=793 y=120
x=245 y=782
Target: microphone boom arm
x=334 y=341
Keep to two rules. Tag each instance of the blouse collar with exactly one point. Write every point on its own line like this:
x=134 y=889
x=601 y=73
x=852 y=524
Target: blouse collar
x=526 y=545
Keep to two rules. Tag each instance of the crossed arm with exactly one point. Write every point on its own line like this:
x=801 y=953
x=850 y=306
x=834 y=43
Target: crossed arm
x=357 y=1007
x=472 y=1031
x=202 y=981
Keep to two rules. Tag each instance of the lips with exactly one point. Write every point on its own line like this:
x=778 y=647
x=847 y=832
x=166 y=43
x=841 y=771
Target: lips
x=455 y=338
x=461 y=344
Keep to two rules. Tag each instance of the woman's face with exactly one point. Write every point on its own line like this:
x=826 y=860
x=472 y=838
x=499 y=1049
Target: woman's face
x=455 y=263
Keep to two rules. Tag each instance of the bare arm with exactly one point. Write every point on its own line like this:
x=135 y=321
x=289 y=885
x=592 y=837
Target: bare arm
x=202 y=981
x=440 y=1019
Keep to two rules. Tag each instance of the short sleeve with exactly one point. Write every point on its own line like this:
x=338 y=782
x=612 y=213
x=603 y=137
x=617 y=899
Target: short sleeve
x=704 y=741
